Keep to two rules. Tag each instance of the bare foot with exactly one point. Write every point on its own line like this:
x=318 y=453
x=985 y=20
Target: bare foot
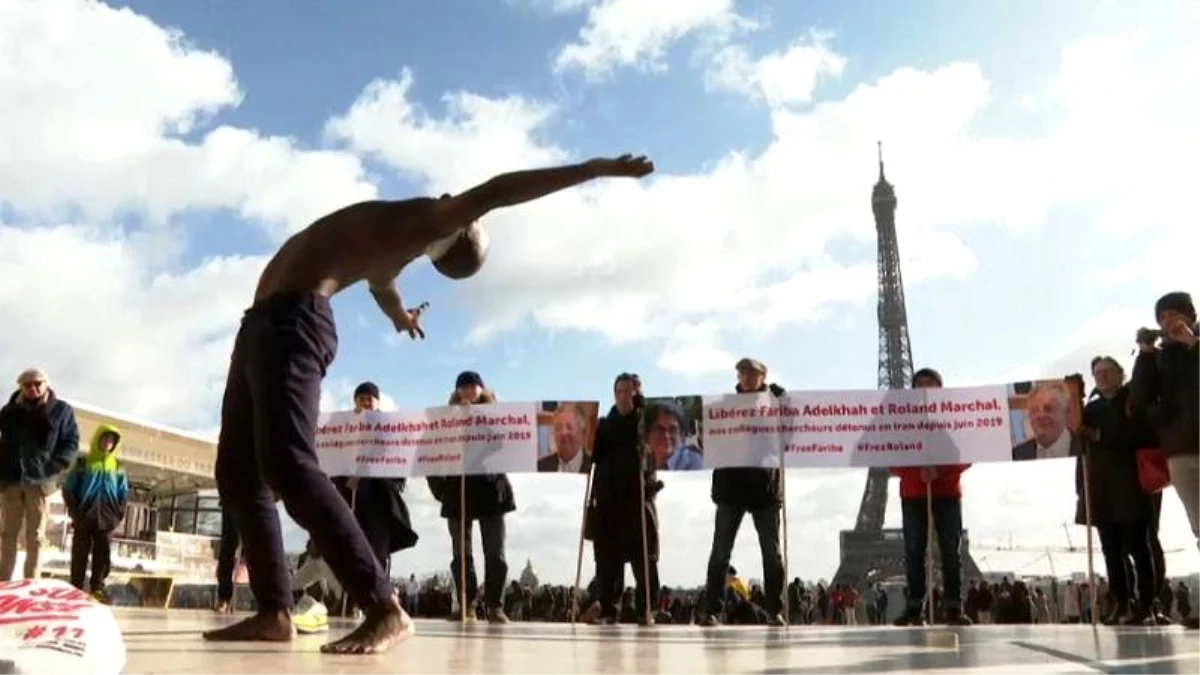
x=385 y=625
x=262 y=627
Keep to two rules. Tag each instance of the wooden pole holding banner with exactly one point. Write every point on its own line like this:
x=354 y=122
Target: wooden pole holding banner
x=1094 y=598
x=787 y=596
x=930 y=532
x=645 y=545
x=576 y=605
x=643 y=456
x=463 y=547
x=354 y=512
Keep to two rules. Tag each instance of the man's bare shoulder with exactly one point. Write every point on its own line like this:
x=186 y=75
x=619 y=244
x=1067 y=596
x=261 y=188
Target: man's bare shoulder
x=379 y=212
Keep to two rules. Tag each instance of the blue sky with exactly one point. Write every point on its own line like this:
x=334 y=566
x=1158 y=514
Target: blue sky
x=1040 y=152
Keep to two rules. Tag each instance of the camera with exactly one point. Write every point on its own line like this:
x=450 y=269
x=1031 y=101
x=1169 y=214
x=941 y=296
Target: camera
x=1148 y=336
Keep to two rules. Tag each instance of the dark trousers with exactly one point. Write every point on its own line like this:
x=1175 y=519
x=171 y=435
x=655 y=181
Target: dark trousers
x=1118 y=543
x=377 y=530
x=226 y=557
x=267 y=443
x=1156 y=549
x=85 y=542
x=947 y=524
x=495 y=567
x=610 y=580
x=766 y=523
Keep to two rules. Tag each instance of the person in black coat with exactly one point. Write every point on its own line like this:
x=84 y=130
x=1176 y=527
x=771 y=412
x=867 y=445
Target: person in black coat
x=378 y=503
x=742 y=490
x=615 y=509
x=488 y=498
x=1122 y=511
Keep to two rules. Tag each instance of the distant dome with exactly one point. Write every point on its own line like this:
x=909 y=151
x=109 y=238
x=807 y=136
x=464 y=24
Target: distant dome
x=529 y=577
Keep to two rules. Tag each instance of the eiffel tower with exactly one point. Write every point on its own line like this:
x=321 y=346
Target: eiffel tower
x=870 y=553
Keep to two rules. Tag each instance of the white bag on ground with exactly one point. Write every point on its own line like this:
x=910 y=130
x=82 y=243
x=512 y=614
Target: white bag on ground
x=49 y=626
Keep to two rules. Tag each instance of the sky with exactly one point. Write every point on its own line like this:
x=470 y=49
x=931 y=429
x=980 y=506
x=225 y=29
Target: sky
x=154 y=155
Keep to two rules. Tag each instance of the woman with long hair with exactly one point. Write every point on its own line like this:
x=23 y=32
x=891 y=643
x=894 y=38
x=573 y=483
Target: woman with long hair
x=487 y=498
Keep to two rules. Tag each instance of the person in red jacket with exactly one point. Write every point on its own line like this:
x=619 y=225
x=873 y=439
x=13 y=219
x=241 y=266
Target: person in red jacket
x=943 y=483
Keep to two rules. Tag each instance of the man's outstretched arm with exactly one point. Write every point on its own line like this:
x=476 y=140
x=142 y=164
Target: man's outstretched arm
x=518 y=187
x=387 y=296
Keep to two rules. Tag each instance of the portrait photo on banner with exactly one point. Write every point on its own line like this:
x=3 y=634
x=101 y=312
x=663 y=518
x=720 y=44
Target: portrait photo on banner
x=672 y=428
x=565 y=434
x=1045 y=416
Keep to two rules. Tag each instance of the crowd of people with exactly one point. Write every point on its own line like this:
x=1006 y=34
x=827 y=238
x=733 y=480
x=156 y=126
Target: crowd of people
x=1134 y=427
x=1130 y=428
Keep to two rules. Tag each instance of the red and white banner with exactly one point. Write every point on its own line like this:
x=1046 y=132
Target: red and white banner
x=800 y=429
x=444 y=441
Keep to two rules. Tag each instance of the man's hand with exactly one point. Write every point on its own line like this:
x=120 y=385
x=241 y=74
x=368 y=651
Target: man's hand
x=1179 y=331
x=625 y=166
x=409 y=321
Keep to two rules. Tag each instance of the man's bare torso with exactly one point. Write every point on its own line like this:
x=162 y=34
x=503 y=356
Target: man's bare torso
x=368 y=240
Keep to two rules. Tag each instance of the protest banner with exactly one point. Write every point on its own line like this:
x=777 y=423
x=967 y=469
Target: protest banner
x=818 y=429
x=442 y=441
x=902 y=427
x=743 y=430
x=566 y=434
x=673 y=432
x=1045 y=416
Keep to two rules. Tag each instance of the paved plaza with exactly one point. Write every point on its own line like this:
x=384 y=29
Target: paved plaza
x=169 y=642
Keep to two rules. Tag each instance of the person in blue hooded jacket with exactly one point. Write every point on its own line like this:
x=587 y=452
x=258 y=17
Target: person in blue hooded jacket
x=95 y=493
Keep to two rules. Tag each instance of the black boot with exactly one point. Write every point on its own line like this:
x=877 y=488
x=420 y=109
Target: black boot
x=913 y=616
x=955 y=617
x=1119 y=615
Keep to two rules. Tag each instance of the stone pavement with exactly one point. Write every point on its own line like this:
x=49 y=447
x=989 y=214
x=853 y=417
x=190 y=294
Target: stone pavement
x=161 y=641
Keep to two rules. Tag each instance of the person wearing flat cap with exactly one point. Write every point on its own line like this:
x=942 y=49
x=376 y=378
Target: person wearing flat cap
x=39 y=439
x=736 y=492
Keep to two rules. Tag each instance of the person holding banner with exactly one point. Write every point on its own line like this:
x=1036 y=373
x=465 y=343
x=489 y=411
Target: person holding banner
x=936 y=491
x=617 y=510
x=1121 y=510
x=742 y=490
x=286 y=342
x=378 y=503
x=1166 y=383
x=666 y=427
x=486 y=498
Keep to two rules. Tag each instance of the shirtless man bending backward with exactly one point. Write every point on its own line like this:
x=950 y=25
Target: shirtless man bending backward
x=287 y=340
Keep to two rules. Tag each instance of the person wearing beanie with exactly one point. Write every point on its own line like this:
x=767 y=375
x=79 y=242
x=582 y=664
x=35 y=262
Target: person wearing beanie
x=917 y=483
x=740 y=491
x=1166 y=384
x=39 y=439
x=378 y=503
x=488 y=499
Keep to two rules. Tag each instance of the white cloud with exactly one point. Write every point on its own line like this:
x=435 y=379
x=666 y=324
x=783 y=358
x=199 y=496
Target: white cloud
x=621 y=33
x=108 y=130
x=748 y=237
x=781 y=78
x=139 y=340
x=689 y=350
x=92 y=134
x=616 y=280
